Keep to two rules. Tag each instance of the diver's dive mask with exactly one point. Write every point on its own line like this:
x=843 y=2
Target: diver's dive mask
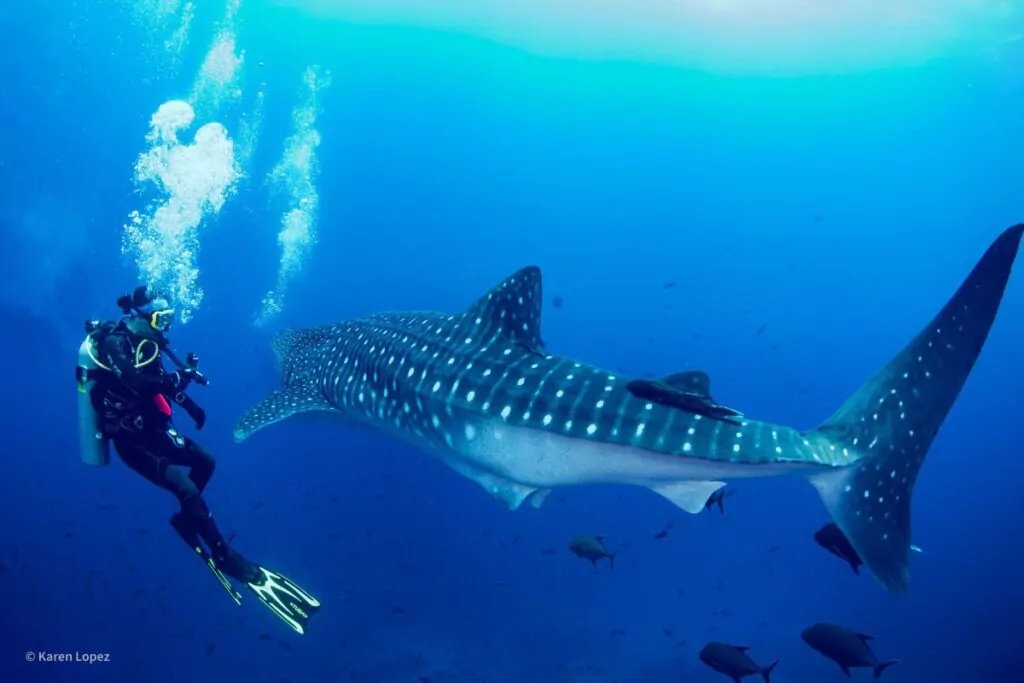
x=159 y=314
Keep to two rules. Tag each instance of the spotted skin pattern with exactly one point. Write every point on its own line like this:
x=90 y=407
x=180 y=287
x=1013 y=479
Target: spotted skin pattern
x=479 y=390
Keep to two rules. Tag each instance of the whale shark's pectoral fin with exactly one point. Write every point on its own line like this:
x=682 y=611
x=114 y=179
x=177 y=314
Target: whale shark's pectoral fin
x=691 y=496
x=509 y=493
x=539 y=496
x=298 y=398
x=685 y=391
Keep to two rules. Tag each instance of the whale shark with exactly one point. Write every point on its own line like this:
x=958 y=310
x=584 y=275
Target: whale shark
x=480 y=390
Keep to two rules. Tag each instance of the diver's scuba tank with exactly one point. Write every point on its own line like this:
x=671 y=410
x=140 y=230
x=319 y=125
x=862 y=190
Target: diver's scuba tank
x=94 y=446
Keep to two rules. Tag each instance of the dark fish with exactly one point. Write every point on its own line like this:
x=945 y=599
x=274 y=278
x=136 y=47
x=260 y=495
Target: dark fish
x=661 y=534
x=557 y=302
x=592 y=548
x=833 y=540
x=846 y=648
x=687 y=391
x=732 y=660
x=718 y=498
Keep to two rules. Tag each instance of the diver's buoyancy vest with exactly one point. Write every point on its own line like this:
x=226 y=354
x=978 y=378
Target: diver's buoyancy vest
x=93 y=425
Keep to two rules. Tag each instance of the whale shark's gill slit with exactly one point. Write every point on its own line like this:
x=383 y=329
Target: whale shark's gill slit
x=890 y=423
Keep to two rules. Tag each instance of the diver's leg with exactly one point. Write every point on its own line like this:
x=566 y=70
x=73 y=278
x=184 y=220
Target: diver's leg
x=141 y=452
x=200 y=463
x=156 y=457
x=195 y=515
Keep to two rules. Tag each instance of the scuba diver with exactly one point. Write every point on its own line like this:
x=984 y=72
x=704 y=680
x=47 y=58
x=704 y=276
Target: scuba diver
x=126 y=398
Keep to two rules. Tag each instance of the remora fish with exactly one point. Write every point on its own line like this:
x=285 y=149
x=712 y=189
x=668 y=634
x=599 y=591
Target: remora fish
x=833 y=540
x=479 y=390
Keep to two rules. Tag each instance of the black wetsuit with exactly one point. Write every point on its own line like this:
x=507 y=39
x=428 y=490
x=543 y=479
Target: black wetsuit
x=133 y=404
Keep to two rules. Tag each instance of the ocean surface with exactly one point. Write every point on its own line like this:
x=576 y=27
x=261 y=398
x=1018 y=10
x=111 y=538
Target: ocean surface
x=780 y=195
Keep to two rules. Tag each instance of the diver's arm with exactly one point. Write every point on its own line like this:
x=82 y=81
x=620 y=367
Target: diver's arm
x=193 y=409
x=117 y=354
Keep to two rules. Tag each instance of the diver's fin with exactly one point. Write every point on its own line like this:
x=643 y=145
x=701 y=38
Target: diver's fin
x=191 y=539
x=235 y=595
x=891 y=421
x=293 y=605
x=297 y=398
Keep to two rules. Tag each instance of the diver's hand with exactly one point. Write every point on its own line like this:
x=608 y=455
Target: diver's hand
x=194 y=375
x=198 y=415
x=178 y=381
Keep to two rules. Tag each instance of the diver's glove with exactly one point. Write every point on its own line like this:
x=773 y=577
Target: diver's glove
x=193 y=409
x=197 y=414
x=194 y=375
x=177 y=382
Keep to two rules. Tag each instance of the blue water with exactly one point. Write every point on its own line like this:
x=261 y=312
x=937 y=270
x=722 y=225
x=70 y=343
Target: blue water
x=787 y=235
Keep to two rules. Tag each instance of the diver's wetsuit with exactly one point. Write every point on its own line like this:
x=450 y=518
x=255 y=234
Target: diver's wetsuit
x=133 y=403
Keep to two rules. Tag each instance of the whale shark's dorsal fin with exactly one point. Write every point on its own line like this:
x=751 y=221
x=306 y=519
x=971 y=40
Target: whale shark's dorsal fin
x=511 y=311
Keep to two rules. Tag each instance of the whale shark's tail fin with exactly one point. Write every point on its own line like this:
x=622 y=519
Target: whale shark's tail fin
x=892 y=420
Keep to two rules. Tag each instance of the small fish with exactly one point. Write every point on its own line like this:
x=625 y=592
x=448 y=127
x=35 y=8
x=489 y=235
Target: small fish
x=718 y=498
x=592 y=548
x=833 y=540
x=846 y=648
x=661 y=534
x=557 y=302
x=732 y=660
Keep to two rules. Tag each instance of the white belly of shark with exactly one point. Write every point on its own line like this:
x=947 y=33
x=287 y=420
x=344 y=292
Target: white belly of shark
x=513 y=463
